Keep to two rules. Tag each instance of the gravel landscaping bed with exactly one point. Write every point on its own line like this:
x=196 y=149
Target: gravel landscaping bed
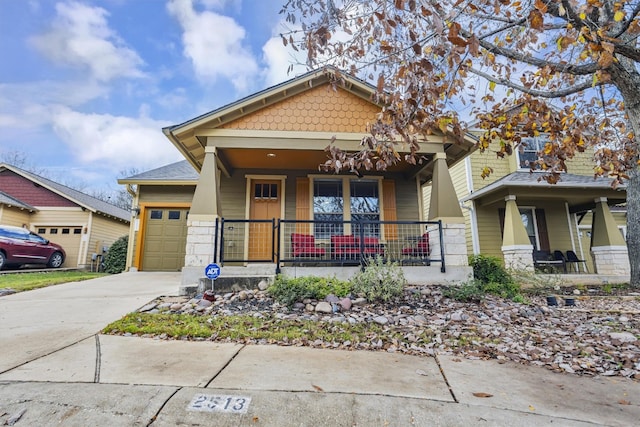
x=598 y=336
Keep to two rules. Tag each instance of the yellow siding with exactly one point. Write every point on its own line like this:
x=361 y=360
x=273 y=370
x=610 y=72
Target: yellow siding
x=581 y=164
x=489 y=236
x=317 y=110
x=501 y=167
x=104 y=232
x=13 y=216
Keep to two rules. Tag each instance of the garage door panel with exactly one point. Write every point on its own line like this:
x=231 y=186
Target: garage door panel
x=165 y=239
x=69 y=237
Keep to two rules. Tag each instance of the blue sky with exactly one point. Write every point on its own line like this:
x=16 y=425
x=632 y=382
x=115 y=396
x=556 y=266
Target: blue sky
x=87 y=85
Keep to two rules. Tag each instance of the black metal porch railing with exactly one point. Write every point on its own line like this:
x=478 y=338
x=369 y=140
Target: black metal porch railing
x=297 y=242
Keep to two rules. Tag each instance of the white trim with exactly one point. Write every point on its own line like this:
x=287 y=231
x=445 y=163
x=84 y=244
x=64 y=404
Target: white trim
x=616 y=248
x=271 y=177
x=517 y=248
x=469 y=173
x=62 y=208
x=475 y=240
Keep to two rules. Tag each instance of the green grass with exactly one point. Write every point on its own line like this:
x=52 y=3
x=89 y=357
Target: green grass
x=28 y=281
x=248 y=328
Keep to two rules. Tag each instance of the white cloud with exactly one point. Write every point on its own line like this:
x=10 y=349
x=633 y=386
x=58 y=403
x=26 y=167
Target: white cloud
x=215 y=44
x=80 y=37
x=115 y=141
x=278 y=58
x=28 y=105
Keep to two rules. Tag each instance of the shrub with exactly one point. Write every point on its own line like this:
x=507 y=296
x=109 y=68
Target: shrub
x=488 y=269
x=490 y=277
x=116 y=259
x=380 y=281
x=288 y=291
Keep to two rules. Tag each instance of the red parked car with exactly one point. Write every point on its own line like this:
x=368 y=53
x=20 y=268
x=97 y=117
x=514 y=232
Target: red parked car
x=19 y=246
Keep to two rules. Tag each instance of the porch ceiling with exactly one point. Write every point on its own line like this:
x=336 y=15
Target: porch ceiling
x=274 y=159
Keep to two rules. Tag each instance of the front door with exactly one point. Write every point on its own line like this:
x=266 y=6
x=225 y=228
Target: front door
x=265 y=204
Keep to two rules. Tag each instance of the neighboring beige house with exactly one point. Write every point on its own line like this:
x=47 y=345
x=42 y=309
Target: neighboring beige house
x=250 y=192
x=81 y=224
x=513 y=212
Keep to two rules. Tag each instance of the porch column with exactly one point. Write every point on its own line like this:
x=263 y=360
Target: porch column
x=608 y=248
x=201 y=224
x=516 y=246
x=445 y=206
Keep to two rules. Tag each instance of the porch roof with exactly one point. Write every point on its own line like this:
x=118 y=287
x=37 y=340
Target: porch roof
x=179 y=173
x=7 y=200
x=264 y=149
x=578 y=190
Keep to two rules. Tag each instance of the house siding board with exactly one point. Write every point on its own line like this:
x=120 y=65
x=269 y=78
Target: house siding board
x=581 y=164
x=489 y=236
x=501 y=167
x=29 y=192
x=406 y=199
x=12 y=216
x=321 y=109
x=104 y=232
x=166 y=194
x=233 y=191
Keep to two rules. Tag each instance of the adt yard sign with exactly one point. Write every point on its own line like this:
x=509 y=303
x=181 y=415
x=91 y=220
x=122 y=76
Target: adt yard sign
x=212 y=271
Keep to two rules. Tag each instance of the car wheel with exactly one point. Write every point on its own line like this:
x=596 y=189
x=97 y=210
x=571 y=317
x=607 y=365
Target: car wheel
x=2 y=260
x=56 y=260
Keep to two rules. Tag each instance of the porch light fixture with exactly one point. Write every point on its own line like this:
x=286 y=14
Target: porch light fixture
x=135 y=211
x=271 y=155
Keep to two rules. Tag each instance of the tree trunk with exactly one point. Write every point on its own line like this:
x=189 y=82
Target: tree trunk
x=627 y=80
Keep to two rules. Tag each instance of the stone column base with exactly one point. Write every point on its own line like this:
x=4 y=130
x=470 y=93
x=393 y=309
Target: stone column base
x=199 y=249
x=455 y=244
x=518 y=257
x=611 y=260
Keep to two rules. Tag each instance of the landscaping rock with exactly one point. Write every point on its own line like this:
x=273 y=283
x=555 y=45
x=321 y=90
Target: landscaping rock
x=323 y=307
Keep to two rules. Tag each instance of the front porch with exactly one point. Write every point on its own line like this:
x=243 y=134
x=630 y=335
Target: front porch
x=250 y=251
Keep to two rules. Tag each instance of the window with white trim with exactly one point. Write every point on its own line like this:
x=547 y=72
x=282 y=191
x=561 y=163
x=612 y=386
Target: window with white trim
x=529 y=220
x=528 y=151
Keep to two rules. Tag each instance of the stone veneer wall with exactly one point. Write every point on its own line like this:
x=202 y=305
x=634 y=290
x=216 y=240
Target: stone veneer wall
x=455 y=244
x=611 y=260
x=518 y=257
x=199 y=250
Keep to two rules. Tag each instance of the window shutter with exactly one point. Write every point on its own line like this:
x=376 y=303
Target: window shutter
x=389 y=209
x=543 y=235
x=303 y=204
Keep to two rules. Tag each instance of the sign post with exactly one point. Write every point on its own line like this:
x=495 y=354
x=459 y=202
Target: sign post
x=212 y=271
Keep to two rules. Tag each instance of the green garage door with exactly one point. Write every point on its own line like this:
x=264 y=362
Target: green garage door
x=165 y=239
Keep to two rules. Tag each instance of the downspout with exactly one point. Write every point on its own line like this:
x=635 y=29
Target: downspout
x=475 y=243
x=135 y=221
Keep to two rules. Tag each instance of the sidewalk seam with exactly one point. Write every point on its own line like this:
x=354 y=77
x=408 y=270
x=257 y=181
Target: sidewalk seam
x=45 y=355
x=155 y=416
x=224 y=367
x=444 y=377
x=96 y=375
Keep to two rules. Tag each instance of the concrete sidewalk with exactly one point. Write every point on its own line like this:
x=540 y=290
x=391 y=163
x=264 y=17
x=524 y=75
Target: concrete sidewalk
x=103 y=380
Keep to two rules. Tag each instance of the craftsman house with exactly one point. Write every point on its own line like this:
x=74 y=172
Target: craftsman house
x=518 y=217
x=84 y=226
x=250 y=192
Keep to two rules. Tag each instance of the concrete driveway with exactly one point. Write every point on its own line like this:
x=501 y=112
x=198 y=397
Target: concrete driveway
x=40 y=322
